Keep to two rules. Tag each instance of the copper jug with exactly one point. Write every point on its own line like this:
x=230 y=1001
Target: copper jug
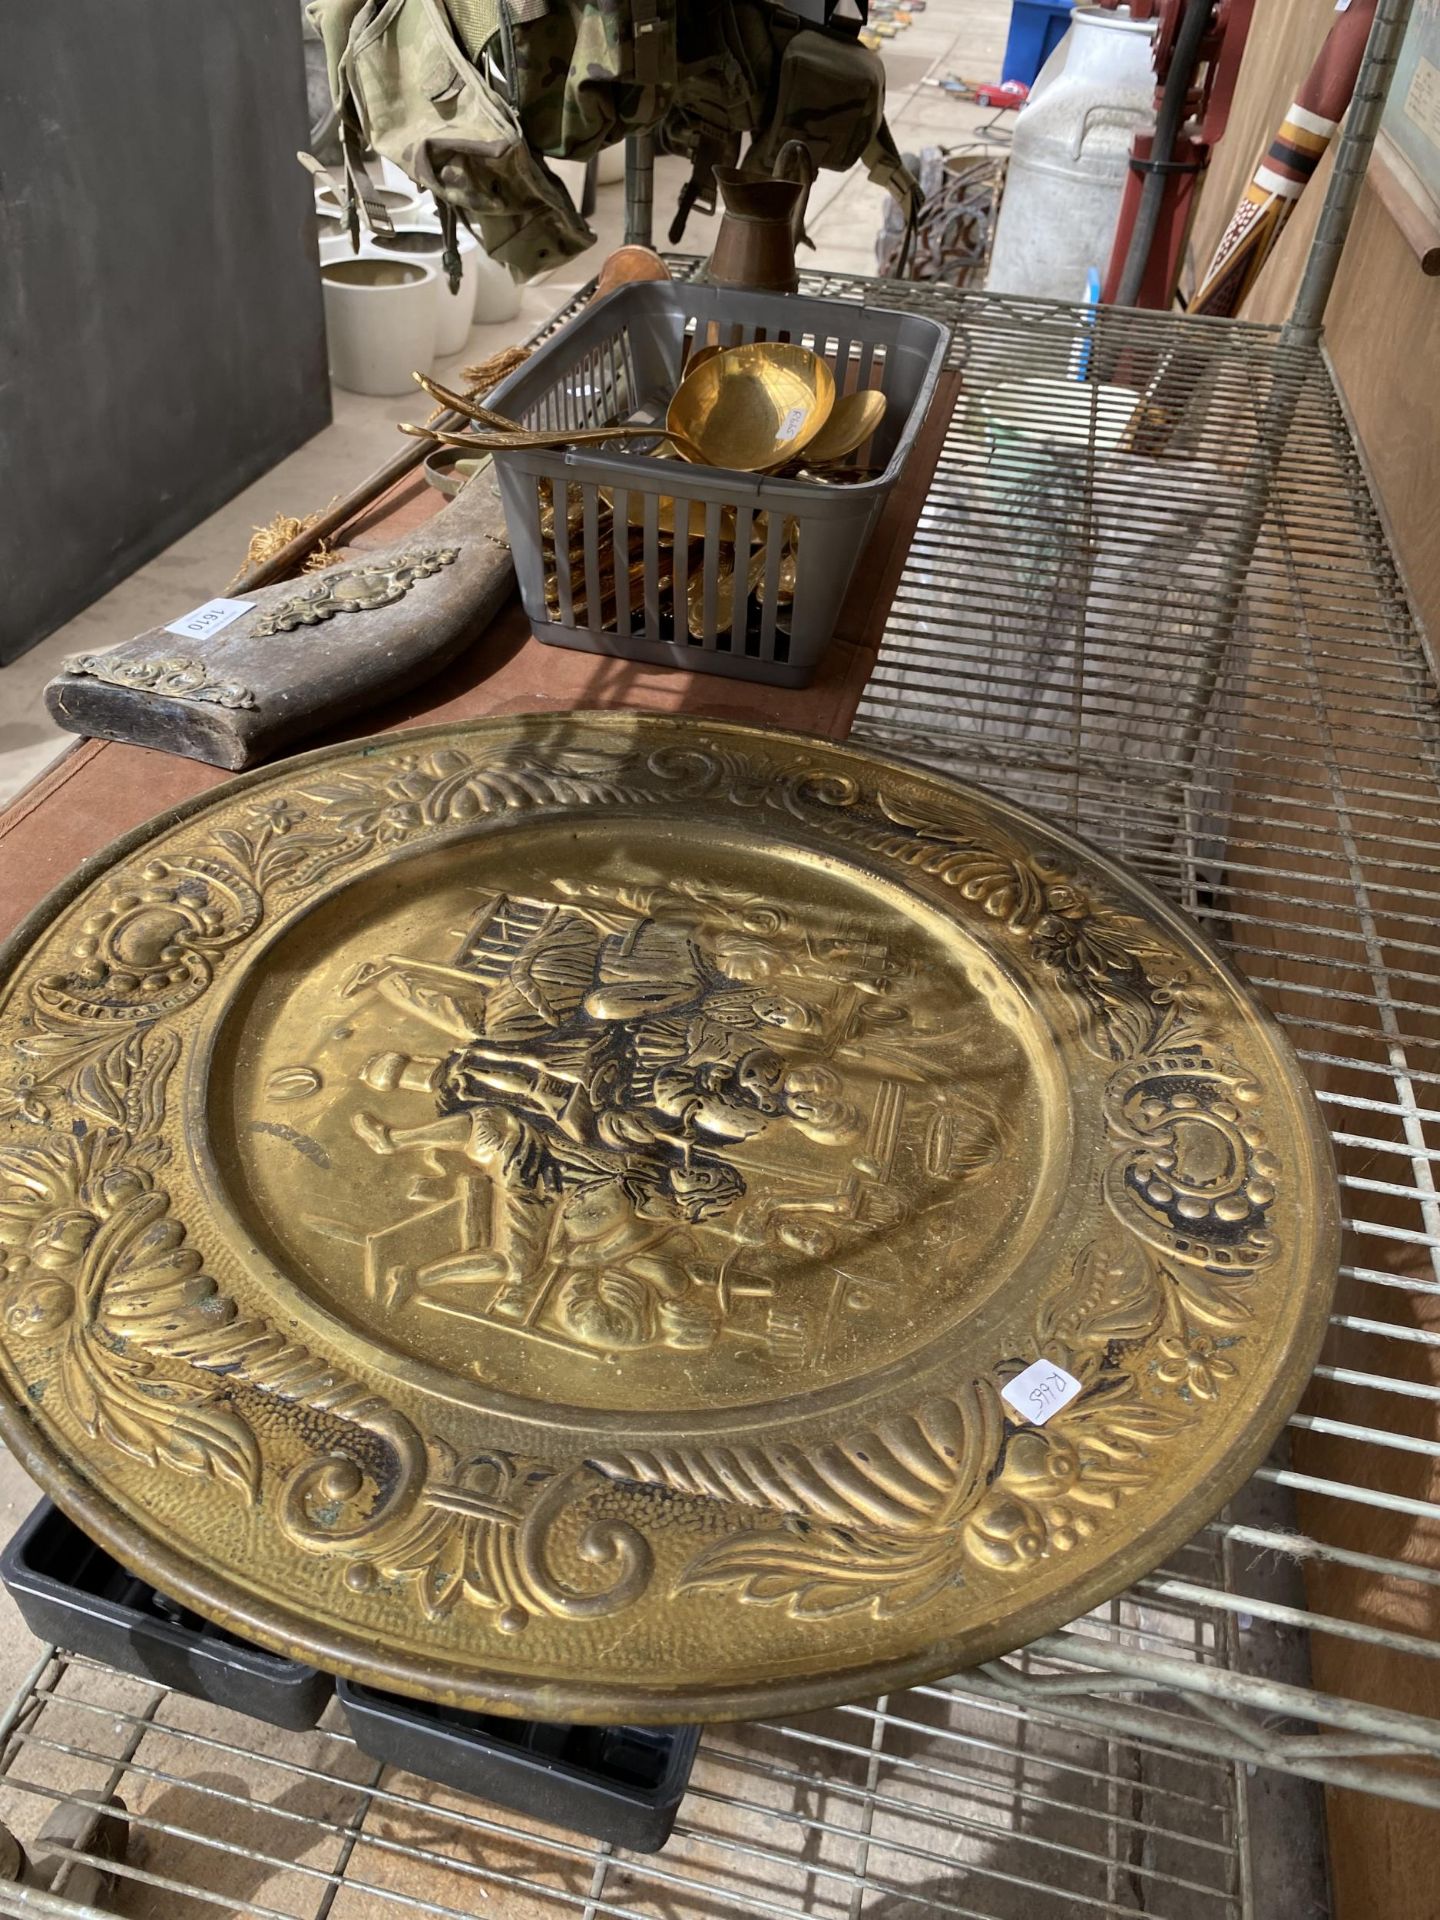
x=755 y=246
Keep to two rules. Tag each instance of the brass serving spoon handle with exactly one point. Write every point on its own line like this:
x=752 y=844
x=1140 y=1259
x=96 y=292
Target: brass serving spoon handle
x=472 y=409
x=491 y=441
x=502 y=424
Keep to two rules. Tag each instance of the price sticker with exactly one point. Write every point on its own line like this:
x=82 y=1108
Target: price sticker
x=211 y=618
x=1042 y=1389
x=790 y=425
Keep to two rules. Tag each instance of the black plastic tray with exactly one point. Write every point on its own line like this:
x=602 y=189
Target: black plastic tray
x=71 y=1592
x=621 y=1784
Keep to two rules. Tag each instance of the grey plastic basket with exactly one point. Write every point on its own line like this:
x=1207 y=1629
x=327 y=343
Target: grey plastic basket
x=620 y=360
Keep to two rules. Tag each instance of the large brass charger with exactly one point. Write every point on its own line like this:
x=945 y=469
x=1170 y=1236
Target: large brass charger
x=620 y=1218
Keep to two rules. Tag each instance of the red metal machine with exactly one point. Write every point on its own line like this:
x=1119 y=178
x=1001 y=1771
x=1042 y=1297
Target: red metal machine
x=1198 y=44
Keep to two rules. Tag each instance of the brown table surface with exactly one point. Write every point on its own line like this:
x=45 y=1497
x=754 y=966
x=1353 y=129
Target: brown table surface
x=99 y=790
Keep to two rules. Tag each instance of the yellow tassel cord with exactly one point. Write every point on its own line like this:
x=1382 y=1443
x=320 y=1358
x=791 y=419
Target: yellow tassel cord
x=267 y=541
x=276 y=534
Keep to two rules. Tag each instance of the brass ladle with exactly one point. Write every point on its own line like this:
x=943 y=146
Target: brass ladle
x=752 y=407
x=853 y=418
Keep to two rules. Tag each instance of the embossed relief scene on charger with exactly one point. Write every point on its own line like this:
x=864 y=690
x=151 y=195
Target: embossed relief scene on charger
x=544 y=1214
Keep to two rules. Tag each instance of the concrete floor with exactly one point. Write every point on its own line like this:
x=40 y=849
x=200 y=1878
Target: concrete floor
x=963 y=36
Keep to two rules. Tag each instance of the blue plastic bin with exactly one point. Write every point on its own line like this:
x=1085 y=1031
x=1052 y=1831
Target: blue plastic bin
x=1036 y=29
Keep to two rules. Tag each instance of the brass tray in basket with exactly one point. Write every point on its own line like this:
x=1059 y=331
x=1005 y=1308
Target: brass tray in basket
x=621 y=1218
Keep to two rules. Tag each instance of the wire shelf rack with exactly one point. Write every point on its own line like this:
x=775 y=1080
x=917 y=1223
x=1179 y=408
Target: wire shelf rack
x=937 y=1801
x=1187 y=641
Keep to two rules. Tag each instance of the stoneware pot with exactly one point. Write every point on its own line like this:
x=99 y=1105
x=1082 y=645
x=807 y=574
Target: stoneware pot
x=402 y=204
x=387 y=174
x=495 y=295
x=497 y=298
x=381 y=313
x=336 y=246
x=611 y=171
x=454 y=311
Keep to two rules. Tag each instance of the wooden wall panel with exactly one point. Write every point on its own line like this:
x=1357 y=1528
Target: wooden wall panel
x=1383 y=323
x=1383 y=333
x=1284 y=40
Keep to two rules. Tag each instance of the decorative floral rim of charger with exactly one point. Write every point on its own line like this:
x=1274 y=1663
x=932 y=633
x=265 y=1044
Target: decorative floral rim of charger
x=818 y=1230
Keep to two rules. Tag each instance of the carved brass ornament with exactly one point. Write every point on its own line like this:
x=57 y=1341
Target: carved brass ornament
x=541 y=1214
x=176 y=675
x=354 y=589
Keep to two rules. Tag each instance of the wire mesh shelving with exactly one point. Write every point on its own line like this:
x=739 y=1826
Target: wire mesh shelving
x=1181 y=634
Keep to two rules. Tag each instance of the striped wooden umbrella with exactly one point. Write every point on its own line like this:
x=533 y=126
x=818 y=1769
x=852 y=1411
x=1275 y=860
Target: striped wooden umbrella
x=1287 y=163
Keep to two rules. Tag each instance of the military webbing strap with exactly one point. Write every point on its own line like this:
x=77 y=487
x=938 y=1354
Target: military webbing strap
x=711 y=151
x=352 y=186
x=883 y=164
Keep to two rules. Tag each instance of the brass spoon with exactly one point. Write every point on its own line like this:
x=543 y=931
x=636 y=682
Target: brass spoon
x=788 y=569
x=700 y=356
x=667 y=508
x=724 y=594
x=665 y=520
x=473 y=410
x=853 y=418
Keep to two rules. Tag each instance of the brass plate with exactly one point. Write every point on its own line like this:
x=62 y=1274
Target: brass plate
x=543 y=1214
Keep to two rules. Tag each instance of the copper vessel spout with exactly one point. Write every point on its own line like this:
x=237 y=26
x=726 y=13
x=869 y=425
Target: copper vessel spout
x=755 y=246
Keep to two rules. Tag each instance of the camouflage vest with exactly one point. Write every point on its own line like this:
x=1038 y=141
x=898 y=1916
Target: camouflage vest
x=468 y=95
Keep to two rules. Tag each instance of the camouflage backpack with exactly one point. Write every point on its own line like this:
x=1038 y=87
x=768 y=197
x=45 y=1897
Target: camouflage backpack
x=468 y=96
